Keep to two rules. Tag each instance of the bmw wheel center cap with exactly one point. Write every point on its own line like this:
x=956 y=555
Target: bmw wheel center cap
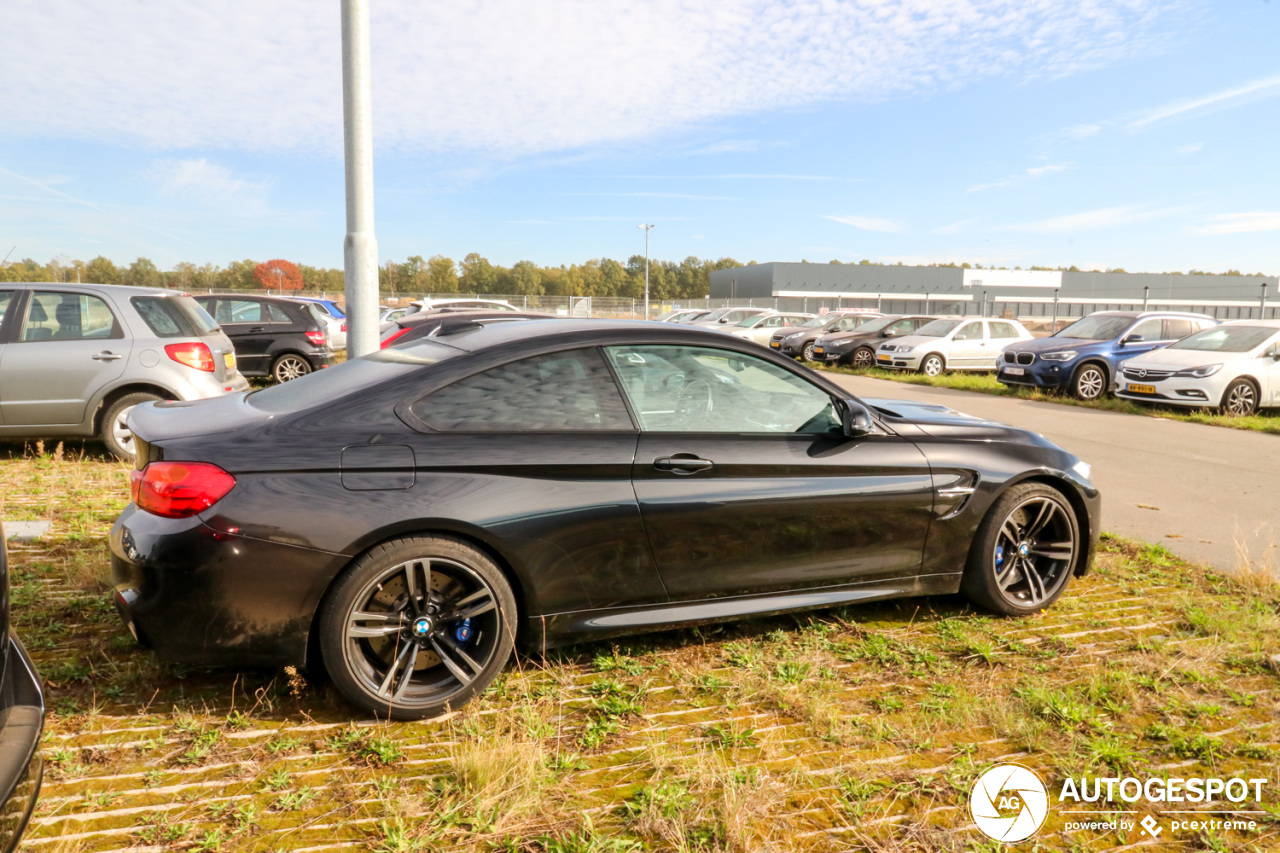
x=1024 y=549
x=421 y=626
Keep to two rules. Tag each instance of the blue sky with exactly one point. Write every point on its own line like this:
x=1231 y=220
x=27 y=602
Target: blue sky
x=1140 y=134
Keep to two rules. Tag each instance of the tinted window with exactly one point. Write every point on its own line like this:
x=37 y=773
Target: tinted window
x=173 y=316
x=1177 y=329
x=67 y=317
x=561 y=391
x=700 y=389
x=277 y=314
x=6 y=296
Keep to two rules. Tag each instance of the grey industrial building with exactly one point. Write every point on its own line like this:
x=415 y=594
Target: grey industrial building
x=988 y=292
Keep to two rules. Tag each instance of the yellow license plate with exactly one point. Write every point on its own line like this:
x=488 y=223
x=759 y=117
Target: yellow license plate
x=818 y=350
x=229 y=359
x=883 y=358
x=1142 y=389
x=775 y=344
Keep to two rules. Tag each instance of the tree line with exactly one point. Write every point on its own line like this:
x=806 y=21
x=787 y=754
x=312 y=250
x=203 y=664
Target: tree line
x=690 y=278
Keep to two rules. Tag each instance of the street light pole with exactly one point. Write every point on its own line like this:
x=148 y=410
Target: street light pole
x=360 y=249
x=647 y=229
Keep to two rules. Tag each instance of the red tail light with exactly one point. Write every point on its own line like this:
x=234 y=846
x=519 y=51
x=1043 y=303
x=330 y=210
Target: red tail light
x=316 y=337
x=179 y=489
x=344 y=328
x=391 y=340
x=195 y=355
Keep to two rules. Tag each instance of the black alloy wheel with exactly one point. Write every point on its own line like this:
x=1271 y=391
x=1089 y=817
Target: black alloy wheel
x=863 y=357
x=417 y=627
x=1025 y=551
x=1089 y=383
x=1240 y=398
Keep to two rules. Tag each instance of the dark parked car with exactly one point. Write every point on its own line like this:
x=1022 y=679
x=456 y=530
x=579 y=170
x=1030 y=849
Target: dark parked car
x=273 y=336
x=430 y=323
x=21 y=724
x=798 y=343
x=858 y=347
x=419 y=510
x=1084 y=359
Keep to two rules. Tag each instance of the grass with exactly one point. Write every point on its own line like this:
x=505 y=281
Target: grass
x=985 y=383
x=861 y=728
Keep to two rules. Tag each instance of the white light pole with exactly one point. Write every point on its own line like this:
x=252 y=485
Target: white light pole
x=360 y=249
x=647 y=229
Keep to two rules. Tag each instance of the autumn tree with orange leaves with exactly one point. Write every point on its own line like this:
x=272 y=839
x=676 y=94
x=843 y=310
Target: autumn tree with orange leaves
x=278 y=274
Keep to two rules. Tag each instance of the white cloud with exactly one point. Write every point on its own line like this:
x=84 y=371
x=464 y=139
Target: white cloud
x=1090 y=219
x=512 y=76
x=1020 y=178
x=884 y=226
x=1240 y=223
x=1254 y=90
x=1188 y=150
x=952 y=227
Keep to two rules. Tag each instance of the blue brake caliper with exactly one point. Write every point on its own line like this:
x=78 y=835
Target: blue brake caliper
x=999 y=558
x=462 y=631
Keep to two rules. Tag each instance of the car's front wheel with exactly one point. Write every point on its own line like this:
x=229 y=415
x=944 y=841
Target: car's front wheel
x=807 y=353
x=1024 y=552
x=1240 y=398
x=290 y=366
x=933 y=365
x=115 y=431
x=1089 y=383
x=863 y=357
x=417 y=627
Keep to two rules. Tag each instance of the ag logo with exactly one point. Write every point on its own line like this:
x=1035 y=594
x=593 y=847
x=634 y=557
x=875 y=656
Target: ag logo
x=1009 y=802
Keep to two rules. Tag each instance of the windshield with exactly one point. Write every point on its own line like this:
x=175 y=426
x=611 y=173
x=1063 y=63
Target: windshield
x=748 y=322
x=815 y=322
x=1095 y=329
x=717 y=314
x=937 y=328
x=1227 y=338
x=875 y=325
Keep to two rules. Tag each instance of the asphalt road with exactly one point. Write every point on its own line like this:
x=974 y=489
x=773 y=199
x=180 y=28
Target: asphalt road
x=1208 y=494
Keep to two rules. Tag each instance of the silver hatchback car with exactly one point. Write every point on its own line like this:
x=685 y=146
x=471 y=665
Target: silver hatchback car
x=76 y=358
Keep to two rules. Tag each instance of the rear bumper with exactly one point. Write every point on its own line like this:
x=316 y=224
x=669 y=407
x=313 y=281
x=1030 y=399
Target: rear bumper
x=21 y=724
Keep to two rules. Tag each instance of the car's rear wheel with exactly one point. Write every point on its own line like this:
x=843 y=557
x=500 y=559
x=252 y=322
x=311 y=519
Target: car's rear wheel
x=417 y=627
x=863 y=357
x=115 y=431
x=1024 y=552
x=1240 y=398
x=933 y=365
x=807 y=352
x=1089 y=382
x=290 y=366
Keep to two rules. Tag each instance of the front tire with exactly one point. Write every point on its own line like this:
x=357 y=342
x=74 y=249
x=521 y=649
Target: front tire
x=807 y=352
x=1089 y=383
x=1240 y=399
x=115 y=433
x=1024 y=552
x=290 y=366
x=417 y=627
x=863 y=357
x=933 y=365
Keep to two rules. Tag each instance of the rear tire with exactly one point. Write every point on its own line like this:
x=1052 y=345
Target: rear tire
x=1089 y=383
x=417 y=627
x=933 y=365
x=115 y=432
x=1024 y=552
x=290 y=366
x=1240 y=399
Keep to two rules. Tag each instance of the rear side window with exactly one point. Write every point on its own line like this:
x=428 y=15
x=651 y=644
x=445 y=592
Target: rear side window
x=1003 y=330
x=563 y=391
x=1176 y=330
x=173 y=316
x=53 y=316
x=278 y=314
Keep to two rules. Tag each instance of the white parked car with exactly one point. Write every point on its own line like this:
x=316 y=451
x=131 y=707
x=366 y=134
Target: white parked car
x=463 y=304
x=952 y=344
x=762 y=326
x=728 y=316
x=1235 y=366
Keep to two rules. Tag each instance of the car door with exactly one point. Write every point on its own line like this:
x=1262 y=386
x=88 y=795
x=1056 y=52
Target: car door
x=67 y=346
x=1144 y=336
x=562 y=492
x=246 y=322
x=969 y=347
x=10 y=298
x=747 y=485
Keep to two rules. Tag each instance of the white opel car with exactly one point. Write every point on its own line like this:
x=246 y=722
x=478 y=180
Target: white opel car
x=1235 y=366
x=952 y=344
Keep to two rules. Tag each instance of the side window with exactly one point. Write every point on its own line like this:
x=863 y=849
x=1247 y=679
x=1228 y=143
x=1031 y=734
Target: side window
x=1003 y=330
x=67 y=317
x=904 y=327
x=563 y=391
x=1150 y=330
x=241 y=311
x=6 y=296
x=969 y=331
x=701 y=389
x=277 y=314
x=1176 y=330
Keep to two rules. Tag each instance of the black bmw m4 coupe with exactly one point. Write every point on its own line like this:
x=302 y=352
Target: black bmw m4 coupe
x=406 y=519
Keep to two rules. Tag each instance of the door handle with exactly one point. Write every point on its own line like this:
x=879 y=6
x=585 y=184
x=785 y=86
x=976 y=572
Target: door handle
x=682 y=463
x=106 y=356
x=256 y=329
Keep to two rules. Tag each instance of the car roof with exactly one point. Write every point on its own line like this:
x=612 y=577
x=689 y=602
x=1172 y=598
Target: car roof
x=278 y=300
x=423 y=318
x=86 y=287
x=1144 y=314
x=1269 y=324
x=592 y=332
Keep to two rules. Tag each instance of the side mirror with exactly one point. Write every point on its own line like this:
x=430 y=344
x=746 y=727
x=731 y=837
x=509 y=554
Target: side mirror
x=888 y=333
x=960 y=338
x=855 y=419
x=1275 y=355
x=1132 y=339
